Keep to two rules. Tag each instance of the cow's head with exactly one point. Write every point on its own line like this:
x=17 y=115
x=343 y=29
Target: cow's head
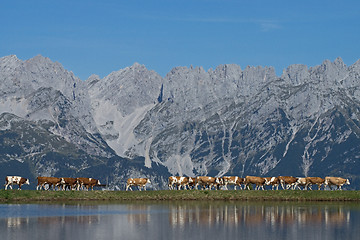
x=148 y=181
x=347 y=181
x=98 y=182
x=219 y=180
x=267 y=181
x=27 y=182
x=62 y=181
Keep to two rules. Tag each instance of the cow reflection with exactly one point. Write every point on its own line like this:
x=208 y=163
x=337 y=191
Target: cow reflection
x=182 y=215
x=16 y=222
x=337 y=217
x=83 y=220
x=139 y=213
x=272 y=216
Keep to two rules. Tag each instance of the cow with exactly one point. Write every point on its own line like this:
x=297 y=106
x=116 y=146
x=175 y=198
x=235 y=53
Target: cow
x=207 y=182
x=11 y=180
x=192 y=182
x=273 y=181
x=219 y=182
x=258 y=181
x=176 y=181
x=140 y=182
x=172 y=182
x=315 y=180
x=302 y=182
x=87 y=183
x=50 y=181
x=287 y=182
x=338 y=181
x=233 y=180
x=70 y=183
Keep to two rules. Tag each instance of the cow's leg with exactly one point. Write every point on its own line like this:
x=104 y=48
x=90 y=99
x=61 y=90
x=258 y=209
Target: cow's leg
x=10 y=186
x=19 y=186
x=6 y=185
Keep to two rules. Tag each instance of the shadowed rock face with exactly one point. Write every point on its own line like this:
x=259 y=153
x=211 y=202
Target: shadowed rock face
x=134 y=123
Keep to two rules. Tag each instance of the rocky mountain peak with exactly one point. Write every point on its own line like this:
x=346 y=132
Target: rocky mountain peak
x=226 y=120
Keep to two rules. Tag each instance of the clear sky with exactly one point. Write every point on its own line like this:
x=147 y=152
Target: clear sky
x=101 y=36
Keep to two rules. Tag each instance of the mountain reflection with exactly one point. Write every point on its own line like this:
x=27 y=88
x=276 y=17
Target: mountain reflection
x=272 y=216
x=251 y=215
x=17 y=222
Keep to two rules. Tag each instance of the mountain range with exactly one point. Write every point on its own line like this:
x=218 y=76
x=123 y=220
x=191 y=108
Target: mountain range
x=192 y=122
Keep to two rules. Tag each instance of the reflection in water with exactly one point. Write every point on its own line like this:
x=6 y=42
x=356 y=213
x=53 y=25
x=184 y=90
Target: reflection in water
x=274 y=216
x=16 y=222
x=194 y=220
x=139 y=214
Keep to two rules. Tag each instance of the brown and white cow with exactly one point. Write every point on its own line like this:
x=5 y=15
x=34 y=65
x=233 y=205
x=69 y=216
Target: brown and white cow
x=11 y=180
x=178 y=182
x=337 y=181
x=192 y=182
x=207 y=182
x=288 y=182
x=219 y=182
x=140 y=182
x=233 y=180
x=302 y=182
x=87 y=183
x=172 y=182
x=315 y=181
x=258 y=181
x=70 y=183
x=50 y=181
x=273 y=181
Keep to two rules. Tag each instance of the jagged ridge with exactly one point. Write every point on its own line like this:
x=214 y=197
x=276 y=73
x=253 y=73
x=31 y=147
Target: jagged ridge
x=225 y=121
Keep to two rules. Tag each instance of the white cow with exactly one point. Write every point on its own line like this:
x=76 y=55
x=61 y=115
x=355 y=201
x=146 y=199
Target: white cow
x=11 y=180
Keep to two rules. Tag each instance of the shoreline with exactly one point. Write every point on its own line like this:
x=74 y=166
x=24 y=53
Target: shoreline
x=25 y=196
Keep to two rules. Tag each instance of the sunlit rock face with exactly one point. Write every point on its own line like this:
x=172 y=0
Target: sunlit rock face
x=223 y=121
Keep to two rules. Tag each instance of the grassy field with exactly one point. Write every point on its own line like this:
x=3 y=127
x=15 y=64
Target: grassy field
x=167 y=195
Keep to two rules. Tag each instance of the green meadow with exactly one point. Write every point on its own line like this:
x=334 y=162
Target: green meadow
x=24 y=196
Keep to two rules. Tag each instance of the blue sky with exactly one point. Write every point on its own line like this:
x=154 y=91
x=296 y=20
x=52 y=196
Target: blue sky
x=98 y=37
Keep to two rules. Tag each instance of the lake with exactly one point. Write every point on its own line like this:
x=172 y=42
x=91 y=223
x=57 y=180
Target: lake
x=180 y=220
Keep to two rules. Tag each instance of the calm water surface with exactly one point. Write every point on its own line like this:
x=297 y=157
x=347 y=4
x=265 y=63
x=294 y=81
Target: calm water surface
x=181 y=220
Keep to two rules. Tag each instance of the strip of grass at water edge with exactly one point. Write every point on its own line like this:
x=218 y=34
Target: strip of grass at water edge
x=281 y=195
